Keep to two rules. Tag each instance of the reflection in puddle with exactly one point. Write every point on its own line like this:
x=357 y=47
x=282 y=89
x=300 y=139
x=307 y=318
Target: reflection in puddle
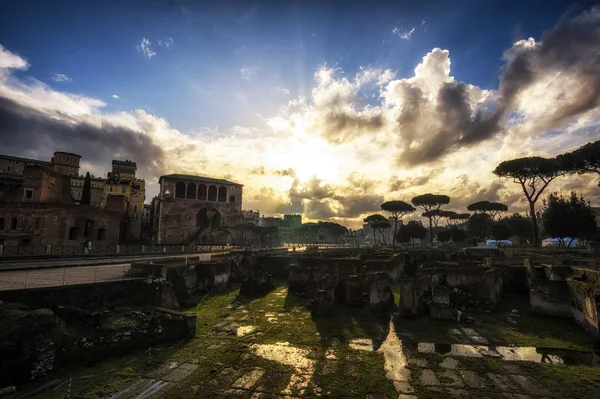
x=395 y=361
x=508 y=353
x=283 y=353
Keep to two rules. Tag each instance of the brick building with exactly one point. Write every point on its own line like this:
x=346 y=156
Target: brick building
x=97 y=190
x=196 y=209
x=42 y=212
x=47 y=223
x=122 y=181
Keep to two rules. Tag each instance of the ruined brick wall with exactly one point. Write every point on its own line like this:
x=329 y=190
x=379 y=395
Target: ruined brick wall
x=50 y=224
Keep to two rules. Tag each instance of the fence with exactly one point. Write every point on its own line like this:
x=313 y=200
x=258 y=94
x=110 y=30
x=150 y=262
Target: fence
x=19 y=251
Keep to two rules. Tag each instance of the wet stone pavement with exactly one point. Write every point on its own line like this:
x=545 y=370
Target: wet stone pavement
x=271 y=347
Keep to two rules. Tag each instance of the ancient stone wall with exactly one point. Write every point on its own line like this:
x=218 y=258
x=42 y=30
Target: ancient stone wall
x=35 y=342
x=88 y=296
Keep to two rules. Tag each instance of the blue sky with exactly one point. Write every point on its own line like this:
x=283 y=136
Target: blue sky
x=197 y=81
x=320 y=108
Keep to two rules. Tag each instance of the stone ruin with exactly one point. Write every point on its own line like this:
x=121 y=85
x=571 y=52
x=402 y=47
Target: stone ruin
x=565 y=286
x=442 y=287
x=353 y=281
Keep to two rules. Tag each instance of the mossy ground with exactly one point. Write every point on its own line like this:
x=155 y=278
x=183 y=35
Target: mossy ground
x=221 y=357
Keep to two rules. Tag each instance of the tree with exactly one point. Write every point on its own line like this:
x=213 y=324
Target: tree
x=377 y=222
x=403 y=234
x=458 y=235
x=585 y=159
x=86 y=194
x=491 y=208
x=478 y=225
x=448 y=215
x=416 y=230
x=570 y=217
x=428 y=203
x=444 y=236
x=533 y=174
x=460 y=219
x=398 y=209
x=500 y=231
x=519 y=226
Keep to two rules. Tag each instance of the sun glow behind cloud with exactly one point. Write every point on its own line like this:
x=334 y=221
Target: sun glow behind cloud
x=330 y=154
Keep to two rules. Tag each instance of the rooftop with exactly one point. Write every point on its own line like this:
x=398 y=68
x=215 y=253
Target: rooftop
x=67 y=153
x=10 y=157
x=198 y=178
x=124 y=163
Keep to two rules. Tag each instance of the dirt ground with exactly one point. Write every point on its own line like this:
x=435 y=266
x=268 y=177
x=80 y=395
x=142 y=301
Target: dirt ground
x=271 y=347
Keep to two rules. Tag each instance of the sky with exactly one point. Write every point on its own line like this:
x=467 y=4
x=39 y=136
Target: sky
x=322 y=108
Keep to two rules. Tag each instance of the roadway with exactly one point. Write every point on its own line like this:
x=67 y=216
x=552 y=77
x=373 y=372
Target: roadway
x=24 y=274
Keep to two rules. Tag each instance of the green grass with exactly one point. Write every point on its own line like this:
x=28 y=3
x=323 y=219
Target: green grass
x=222 y=357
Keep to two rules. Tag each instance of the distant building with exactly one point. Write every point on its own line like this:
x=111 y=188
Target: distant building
x=252 y=217
x=66 y=163
x=197 y=210
x=16 y=165
x=271 y=222
x=97 y=189
x=122 y=181
x=292 y=221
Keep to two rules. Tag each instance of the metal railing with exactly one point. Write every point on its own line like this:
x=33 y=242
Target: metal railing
x=40 y=278
x=23 y=251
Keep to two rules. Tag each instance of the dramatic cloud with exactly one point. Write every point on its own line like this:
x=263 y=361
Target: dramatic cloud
x=397 y=184
x=10 y=60
x=60 y=78
x=145 y=48
x=166 y=42
x=558 y=78
x=353 y=141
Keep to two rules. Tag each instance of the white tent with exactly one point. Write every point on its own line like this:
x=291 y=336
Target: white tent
x=555 y=242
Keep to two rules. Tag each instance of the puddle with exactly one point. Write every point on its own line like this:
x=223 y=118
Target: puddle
x=283 y=353
x=361 y=344
x=245 y=330
x=509 y=353
x=395 y=362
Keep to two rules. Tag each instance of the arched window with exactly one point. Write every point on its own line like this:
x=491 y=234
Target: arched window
x=180 y=190
x=202 y=192
x=222 y=194
x=13 y=223
x=101 y=234
x=232 y=198
x=191 y=191
x=202 y=219
x=215 y=221
x=212 y=193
